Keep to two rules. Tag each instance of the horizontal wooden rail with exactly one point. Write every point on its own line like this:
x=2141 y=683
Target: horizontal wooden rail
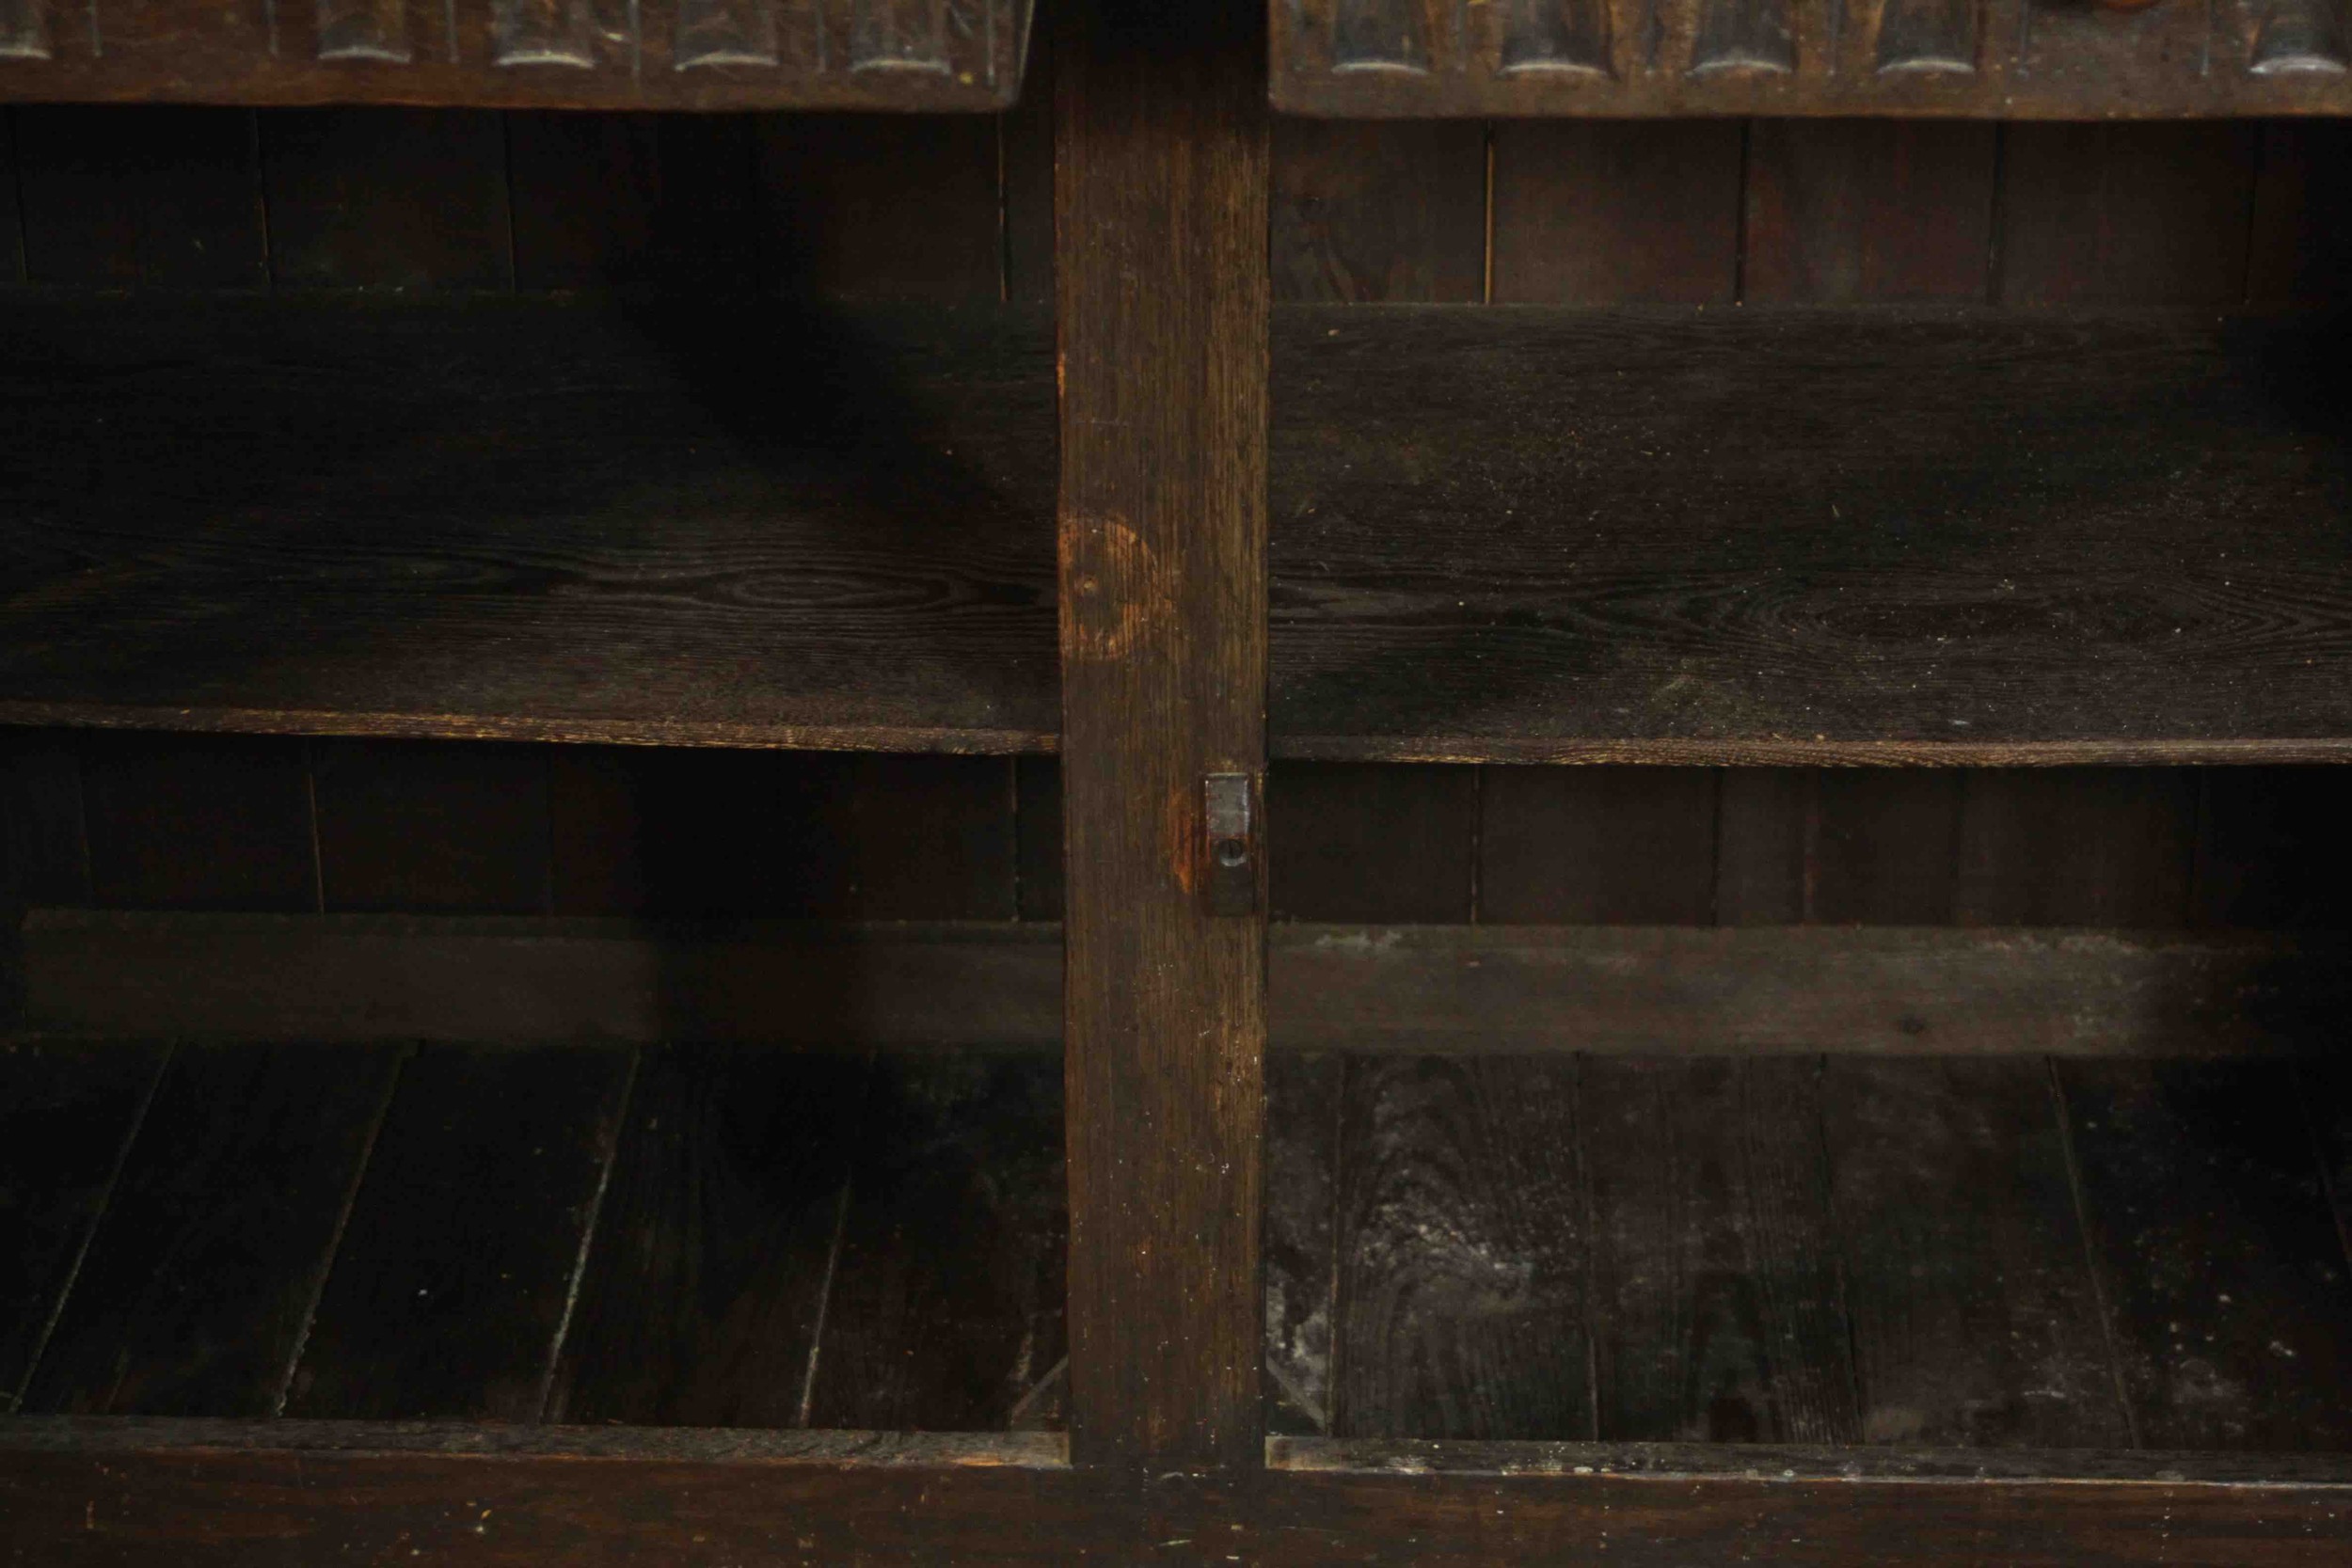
x=78 y=1491
x=1439 y=988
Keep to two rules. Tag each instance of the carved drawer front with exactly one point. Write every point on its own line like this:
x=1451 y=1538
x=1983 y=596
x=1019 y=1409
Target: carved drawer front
x=2034 y=59
x=931 y=55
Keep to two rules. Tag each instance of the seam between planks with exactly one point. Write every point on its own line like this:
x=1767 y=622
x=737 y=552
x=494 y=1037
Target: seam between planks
x=824 y=1297
x=2319 y=1155
x=335 y=1241
x=2061 y=1109
x=89 y=1231
x=588 y=1231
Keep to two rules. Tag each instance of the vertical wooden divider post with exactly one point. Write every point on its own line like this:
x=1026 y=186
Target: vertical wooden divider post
x=1160 y=210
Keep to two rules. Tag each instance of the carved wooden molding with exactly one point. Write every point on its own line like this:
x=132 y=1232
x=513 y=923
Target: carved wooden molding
x=2021 y=58
x=928 y=54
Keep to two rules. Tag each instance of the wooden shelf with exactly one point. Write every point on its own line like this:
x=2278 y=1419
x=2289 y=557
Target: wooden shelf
x=2007 y=60
x=528 y=518
x=1506 y=534
x=660 y=54
x=1751 y=535
x=675 y=1237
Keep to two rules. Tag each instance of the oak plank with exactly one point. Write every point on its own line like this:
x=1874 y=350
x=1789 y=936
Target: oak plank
x=2223 y=1269
x=450 y=1290
x=1462 y=1305
x=706 y=1279
x=201 y=1277
x=66 y=1114
x=1976 y=1320
x=1717 y=1314
x=948 y=1297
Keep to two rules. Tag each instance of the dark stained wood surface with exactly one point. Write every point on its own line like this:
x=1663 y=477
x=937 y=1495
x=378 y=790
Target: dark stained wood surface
x=663 y=54
x=196 y=822
x=2007 y=60
x=1304 y=1104
x=197 y=1289
x=750 y=525
x=2222 y=1265
x=1973 y=1314
x=1794 y=535
x=422 y=825
x=66 y=1117
x=707 y=1281
x=1716 y=1308
x=1461 y=1237
x=1161 y=220
x=449 y=1294
x=207 y=1493
x=997 y=986
x=945 y=1300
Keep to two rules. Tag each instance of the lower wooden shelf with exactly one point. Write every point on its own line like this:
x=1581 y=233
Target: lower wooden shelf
x=287 y=1302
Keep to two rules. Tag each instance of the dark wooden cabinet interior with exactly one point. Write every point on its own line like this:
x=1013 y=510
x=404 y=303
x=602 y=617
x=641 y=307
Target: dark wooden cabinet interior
x=533 y=845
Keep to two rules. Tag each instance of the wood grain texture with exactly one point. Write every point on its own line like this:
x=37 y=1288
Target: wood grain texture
x=431 y=827
x=1379 y=213
x=167 y=197
x=195 y=1289
x=1716 y=1309
x=223 y=1492
x=1620 y=59
x=706 y=1280
x=309 y=515
x=622 y=200
x=1596 y=846
x=1974 y=1316
x=1611 y=214
x=388 y=198
x=1161 y=202
x=963 y=55
x=228 y=1494
x=66 y=1117
x=1462 y=1243
x=946 y=1303
x=997 y=986
x=1355 y=843
x=459 y=1258
x=2224 y=1272
x=1304 y=1106
x=2126 y=214
x=1853 y=211
x=1796 y=536
x=199 y=822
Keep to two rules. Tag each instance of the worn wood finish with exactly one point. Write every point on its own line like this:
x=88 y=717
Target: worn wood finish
x=962 y=54
x=1461 y=1244
x=462 y=1250
x=2005 y=60
x=996 y=986
x=203 y=1276
x=1161 y=210
x=1973 y=1314
x=66 y=1114
x=2221 y=1262
x=944 y=1299
x=1797 y=535
x=757 y=525
x=1717 y=1314
x=1304 y=1107
x=206 y=1493
x=705 y=1284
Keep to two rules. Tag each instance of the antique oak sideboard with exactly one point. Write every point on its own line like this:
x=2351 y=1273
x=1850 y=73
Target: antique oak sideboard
x=1411 y=781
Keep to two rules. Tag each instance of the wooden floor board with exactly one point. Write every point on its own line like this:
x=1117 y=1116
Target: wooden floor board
x=458 y=1259
x=1461 y=1247
x=66 y=1114
x=947 y=1285
x=2222 y=1266
x=1716 y=1309
x=707 y=1275
x=203 y=1276
x=1975 y=1318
